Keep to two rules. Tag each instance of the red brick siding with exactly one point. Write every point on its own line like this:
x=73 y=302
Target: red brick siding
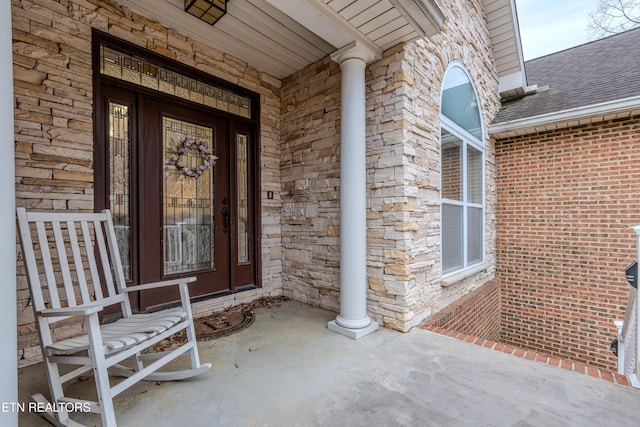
x=566 y=200
x=477 y=313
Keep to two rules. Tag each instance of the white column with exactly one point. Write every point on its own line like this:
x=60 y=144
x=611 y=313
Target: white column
x=353 y=320
x=8 y=322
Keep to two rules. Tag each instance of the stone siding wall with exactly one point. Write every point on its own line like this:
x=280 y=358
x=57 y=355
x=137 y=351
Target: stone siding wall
x=54 y=122
x=403 y=173
x=310 y=174
x=566 y=202
x=405 y=273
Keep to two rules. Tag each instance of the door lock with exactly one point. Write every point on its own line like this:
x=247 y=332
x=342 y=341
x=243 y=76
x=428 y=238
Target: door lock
x=226 y=216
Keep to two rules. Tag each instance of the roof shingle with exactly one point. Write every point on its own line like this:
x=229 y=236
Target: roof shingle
x=593 y=73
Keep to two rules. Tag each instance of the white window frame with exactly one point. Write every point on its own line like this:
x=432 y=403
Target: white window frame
x=466 y=140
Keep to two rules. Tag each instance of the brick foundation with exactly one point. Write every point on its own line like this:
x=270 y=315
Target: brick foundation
x=477 y=314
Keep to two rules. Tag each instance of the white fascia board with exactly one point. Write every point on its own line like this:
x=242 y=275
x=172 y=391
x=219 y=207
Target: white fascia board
x=516 y=80
x=516 y=27
x=424 y=15
x=562 y=118
x=309 y=17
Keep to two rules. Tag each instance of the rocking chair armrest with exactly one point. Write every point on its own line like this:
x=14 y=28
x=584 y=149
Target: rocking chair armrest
x=83 y=310
x=161 y=284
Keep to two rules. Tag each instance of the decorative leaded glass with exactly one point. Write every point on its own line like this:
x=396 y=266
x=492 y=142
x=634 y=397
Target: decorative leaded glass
x=188 y=217
x=119 y=167
x=242 y=175
x=141 y=72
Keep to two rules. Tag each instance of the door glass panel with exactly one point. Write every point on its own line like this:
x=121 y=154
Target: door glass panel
x=242 y=198
x=188 y=216
x=119 y=165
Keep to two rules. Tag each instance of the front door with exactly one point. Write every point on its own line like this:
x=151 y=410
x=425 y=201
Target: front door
x=178 y=210
x=184 y=200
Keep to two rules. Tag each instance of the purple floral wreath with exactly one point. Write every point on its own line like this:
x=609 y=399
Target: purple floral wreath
x=207 y=159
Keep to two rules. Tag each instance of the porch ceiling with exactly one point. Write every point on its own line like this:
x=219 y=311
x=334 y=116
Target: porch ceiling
x=280 y=37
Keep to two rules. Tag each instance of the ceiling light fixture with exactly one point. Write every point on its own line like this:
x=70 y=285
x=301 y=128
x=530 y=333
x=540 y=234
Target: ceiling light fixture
x=210 y=11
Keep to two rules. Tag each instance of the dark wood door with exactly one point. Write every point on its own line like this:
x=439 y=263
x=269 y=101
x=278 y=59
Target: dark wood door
x=185 y=220
x=169 y=223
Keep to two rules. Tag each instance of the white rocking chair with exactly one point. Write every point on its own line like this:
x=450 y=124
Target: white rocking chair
x=74 y=270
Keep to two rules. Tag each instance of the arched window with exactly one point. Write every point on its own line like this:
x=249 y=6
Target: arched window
x=462 y=173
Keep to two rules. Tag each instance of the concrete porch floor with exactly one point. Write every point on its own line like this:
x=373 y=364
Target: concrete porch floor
x=288 y=369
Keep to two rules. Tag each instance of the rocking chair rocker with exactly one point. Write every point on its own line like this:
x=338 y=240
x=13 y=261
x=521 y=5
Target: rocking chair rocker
x=74 y=270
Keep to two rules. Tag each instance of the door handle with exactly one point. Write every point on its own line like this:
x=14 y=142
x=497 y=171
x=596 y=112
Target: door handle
x=226 y=216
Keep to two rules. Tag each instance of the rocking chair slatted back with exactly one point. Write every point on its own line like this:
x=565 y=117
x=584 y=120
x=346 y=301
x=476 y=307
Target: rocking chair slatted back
x=80 y=259
x=74 y=271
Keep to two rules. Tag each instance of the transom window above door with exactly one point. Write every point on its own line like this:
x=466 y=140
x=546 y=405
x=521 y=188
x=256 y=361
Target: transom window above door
x=142 y=72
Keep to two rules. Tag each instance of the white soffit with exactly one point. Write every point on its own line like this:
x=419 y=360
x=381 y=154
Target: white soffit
x=252 y=30
x=423 y=14
x=502 y=22
x=280 y=37
x=386 y=23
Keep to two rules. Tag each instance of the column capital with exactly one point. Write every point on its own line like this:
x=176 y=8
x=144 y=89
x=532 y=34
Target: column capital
x=356 y=50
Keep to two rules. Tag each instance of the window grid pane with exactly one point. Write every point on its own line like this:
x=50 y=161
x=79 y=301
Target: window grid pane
x=474 y=175
x=474 y=236
x=459 y=102
x=451 y=167
x=452 y=235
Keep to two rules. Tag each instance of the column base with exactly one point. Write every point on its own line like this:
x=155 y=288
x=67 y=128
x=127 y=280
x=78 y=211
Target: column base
x=353 y=333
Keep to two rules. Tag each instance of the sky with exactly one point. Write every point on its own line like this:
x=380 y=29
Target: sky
x=548 y=26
